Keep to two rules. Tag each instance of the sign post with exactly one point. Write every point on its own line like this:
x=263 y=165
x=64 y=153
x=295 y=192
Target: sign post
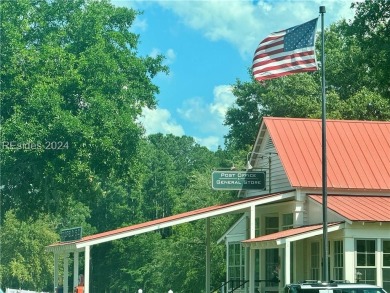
x=238 y=180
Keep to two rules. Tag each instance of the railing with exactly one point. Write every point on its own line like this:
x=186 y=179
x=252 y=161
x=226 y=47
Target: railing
x=234 y=285
x=241 y=285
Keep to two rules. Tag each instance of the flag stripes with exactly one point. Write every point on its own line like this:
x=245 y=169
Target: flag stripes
x=286 y=52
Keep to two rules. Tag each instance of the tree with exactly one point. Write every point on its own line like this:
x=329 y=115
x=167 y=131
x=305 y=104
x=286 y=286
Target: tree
x=72 y=89
x=24 y=261
x=366 y=105
x=164 y=171
x=357 y=87
x=371 y=29
x=291 y=96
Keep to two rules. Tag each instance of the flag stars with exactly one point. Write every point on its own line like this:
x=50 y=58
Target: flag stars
x=300 y=36
x=286 y=52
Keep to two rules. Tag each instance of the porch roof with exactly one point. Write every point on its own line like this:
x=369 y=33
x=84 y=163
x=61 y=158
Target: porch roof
x=241 y=205
x=358 y=207
x=280 y=238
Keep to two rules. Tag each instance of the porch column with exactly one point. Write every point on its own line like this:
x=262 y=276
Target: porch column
x=86 y=269
x=252 y=260
x=75 y=268
x=287 y=263
x=349 y=259
x=55 y=271
x=66 y=272
x=252 y=234
x=378 y=253
x=207 y=255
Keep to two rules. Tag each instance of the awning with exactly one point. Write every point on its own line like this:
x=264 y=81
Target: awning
x=277 y=239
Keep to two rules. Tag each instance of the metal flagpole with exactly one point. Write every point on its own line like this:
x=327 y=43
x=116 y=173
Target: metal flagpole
x=325 y=274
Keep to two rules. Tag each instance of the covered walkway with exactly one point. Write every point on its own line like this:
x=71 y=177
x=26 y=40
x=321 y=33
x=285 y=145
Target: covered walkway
x=84 y=244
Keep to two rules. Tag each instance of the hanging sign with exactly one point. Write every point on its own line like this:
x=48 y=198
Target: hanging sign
x=238 y=180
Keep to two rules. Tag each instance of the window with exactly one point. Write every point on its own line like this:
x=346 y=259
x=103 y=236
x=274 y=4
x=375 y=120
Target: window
x=365 y=250
x=271 y=225
x=365 y=261
x=386 y=253
x=287 y=221
x=386 y=265
x=257 y=227
x=272 y=266
x=338 y=266
x=236 y=264
x=315 y=261
x=271 y=255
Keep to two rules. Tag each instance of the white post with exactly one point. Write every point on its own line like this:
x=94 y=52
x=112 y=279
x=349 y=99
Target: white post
x=252 y=234
x=252 y=270
x=208 y=270
x=75 y=268
x=55 y=270
x=349 y=258
x=66 y=272
x=378 y=262
x=86 y=269
x=287 y=263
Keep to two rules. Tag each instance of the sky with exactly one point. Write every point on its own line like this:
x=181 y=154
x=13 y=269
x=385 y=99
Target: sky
x=208 y=45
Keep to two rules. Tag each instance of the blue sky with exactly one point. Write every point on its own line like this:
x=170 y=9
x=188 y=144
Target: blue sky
x=208 y=45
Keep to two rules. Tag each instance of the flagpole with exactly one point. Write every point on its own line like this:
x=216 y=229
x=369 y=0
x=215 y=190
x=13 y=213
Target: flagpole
x=325 y=275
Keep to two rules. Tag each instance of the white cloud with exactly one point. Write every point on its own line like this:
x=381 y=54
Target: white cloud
x=203 y=117
x=170 y=55
x=139 y=25
x=244 y=24
x=209 y=118
x=210 y=142
x=223 y=99
x=160 y=121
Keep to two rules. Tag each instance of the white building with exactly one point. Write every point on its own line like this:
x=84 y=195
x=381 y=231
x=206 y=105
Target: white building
x=279 y=236
x=283 y=238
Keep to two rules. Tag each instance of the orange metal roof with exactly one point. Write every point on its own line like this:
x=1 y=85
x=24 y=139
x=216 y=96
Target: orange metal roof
x=359 y=208
x=288 y=233
x=358 y=152
x=236 y=206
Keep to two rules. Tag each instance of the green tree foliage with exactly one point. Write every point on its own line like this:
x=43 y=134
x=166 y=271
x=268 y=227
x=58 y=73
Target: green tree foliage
x=371 y=29
x=357 y=79
x=72 y=88
x=171 y=161
x=174 y=177
x=24 y=262
x=366 y=105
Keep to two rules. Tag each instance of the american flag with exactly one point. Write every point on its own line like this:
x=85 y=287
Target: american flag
x=286 y=52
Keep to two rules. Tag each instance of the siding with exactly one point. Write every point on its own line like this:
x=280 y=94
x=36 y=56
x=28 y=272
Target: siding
x=279 y=180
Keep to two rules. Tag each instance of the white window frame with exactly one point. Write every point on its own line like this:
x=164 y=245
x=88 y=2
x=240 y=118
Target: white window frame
x=363 y=270
x=290 y=224
x=315 y=260
x=386 y=266
x=338 y=260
